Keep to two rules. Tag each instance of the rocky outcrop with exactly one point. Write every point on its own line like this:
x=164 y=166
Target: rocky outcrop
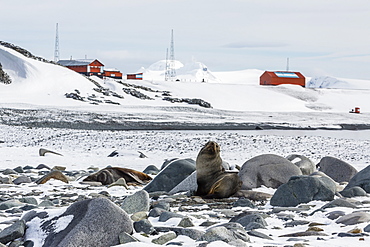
x=199 y=102
x=4 y=77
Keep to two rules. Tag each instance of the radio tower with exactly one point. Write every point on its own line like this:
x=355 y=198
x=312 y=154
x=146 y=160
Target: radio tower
x=170 y=63
x=56 y=51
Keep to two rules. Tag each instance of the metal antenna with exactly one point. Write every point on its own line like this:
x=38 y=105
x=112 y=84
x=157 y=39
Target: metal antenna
x=287 y=64
x=167 y=69
x=56 y=51
x=172 y=71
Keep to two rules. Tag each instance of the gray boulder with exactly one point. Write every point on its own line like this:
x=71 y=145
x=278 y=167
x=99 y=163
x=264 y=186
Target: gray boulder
x=93 y=222
x=22 y=180
x=144 y=226
x=189 y=184
x=13 y=232
x=136 y=203
x=151 y=170
x=337 y=169
x=232 y=233
x=250 y=221
x=269 y=170
x=174 y=173
x=169 y=215
x=354 y=218
x=303 y=189
x=305 y=164
x=361 y=179
x=354 y=191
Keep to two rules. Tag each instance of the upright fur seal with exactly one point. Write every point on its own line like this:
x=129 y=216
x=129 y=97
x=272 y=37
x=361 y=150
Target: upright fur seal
x=112 y=174
x=212 y=180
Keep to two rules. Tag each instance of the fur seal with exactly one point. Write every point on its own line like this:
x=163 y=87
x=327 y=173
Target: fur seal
x=212 y=180
x=110 y=175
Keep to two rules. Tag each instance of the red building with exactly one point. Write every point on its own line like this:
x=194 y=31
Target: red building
x=137 y=76
x=84 y=66
x=282 y=77
x=113 y=73
x=90 y=67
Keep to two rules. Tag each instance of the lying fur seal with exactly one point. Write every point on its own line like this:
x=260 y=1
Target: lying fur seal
x=212 y=180
x=110 y=175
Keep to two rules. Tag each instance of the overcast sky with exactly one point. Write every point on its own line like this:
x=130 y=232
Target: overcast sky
x=320 y=37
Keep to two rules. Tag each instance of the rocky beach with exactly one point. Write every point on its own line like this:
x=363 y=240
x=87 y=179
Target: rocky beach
x=46 y=214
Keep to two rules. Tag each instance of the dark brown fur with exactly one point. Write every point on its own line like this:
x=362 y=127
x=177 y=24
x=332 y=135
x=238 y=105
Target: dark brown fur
x=212 y=180
x=111 y=174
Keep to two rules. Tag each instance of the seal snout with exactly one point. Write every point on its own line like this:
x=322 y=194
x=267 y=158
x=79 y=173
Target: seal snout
x=211 y=147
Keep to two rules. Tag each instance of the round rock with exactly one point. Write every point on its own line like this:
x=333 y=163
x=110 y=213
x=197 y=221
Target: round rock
x=269 y=170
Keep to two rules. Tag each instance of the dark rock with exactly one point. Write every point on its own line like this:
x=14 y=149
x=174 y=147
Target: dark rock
x=42 y=166
x=9 y=171
x=28 y=167
x=243 y=202
x=353 y=192
x=354 y=218
x=22 y=180
x=294 y=223
x=19 y=169
x=168 y=215
x=189 y=185
x=151 y=170
x=305 y=164
x=231 y=233
x=10 y=204
x=303 y=189
x=144 y=226
x=6 y=180
x=186 y=222
x=367 y=228
x=252 y=221
x=113 y=154
x=172 y=175
x=191 y=233
x=258 y=235
x=164 y=238
x=4 y=77
x=304 y=234
x=125 y=238
x=156 y=212
x=340 y=202
x=347 y=234
x=29 y=200
x=28 y=207
x=136 y=203
x=13 y=232
x=269 y=170
x=335 y=214
x=94 y=222
x=361 y=179
x=337 y=169
x=162 y=204
x=46 y=203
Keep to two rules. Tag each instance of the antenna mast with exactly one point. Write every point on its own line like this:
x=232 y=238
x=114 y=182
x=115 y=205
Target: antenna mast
x=170 y=64
x=167 y=71
x=56 y=51
x=287 y=64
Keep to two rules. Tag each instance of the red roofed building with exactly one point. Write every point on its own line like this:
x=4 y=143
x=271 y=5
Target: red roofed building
x=282 y=77
x=84 y=66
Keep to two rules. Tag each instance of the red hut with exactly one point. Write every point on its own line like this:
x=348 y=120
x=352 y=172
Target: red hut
x=113 y=73
x=84 y=66
x=137 y=76
x=282 y=77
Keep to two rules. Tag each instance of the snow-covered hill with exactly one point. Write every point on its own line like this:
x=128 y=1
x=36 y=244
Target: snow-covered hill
x=45 y=84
